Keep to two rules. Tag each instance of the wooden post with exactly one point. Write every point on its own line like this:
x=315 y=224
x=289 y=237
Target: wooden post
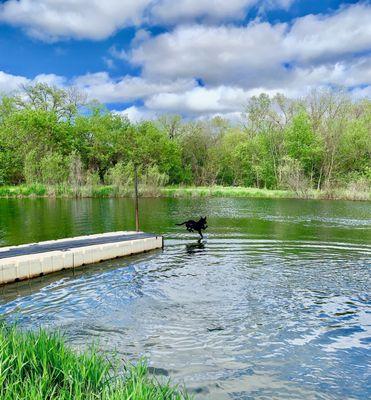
x=136 y=197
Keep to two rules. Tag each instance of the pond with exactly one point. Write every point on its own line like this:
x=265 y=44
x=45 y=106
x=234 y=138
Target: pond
x=274 y=304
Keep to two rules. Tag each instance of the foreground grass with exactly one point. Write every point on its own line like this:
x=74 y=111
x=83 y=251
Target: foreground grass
x=39 y=190
x=39 y=366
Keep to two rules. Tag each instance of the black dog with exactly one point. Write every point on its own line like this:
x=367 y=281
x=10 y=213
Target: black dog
x=198 y=226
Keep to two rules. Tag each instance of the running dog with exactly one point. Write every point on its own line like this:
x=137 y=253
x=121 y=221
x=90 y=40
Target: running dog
x=197 y=226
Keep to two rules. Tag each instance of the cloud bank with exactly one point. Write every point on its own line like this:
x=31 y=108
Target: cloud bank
x=203 y=64
x=96 y=19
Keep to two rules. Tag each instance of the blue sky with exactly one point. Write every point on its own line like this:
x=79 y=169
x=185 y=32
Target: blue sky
x=198 y=58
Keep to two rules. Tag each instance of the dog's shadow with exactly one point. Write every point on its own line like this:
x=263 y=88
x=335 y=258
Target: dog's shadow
x=193 y=248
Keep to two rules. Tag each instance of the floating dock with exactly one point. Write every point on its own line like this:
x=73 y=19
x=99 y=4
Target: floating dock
x=37 y=259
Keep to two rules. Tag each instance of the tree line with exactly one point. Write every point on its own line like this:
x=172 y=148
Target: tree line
x=53 y=136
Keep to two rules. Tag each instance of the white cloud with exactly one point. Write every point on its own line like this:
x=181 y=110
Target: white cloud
x=200 y=100
x=233 y=63
x=343 y=73
x=255 y=54
x=10 y=83
x=172 y=12
x=13 y=83
x=323 y=38
x=80 y=19
x=137 y=114
x=221 y=100
x=184 y=97
x=234 y=117
x=215 y=54
x=50 y=79
x=102 y=87
x=96 y=19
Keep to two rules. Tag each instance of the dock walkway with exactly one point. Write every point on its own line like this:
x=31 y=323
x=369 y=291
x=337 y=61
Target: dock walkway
x=36 y=259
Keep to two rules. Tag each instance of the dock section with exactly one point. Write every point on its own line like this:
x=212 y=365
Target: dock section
x=37 y=259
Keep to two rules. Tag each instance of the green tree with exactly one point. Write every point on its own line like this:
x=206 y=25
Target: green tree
x=98 y=138
x=146 y=145
x=64 y=103
x=303 y=145
x=355 y=146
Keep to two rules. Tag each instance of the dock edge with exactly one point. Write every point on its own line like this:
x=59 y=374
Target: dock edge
x=23 y=267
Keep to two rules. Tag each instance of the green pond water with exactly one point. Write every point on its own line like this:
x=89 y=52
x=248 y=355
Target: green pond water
x=273 y=304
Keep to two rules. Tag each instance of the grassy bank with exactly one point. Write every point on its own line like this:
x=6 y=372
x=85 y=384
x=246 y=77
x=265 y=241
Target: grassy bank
x=39 y=190
x=39 y=366
x=222 y=191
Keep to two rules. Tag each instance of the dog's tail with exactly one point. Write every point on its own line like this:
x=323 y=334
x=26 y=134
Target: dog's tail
x=181 y=223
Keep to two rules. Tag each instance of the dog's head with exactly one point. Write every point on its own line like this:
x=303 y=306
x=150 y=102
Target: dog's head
x=202 y=220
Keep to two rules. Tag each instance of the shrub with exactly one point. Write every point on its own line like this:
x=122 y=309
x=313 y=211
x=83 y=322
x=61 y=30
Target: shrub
x=76 y=170
x=152 y=180
x=121 y=175
x=10 y=167
x=54 y=169
x=153 y=177
x=92 y=178
x=292 y=177
x=31 y=169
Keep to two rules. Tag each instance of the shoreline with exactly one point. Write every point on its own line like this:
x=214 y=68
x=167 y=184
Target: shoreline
x=105 y=191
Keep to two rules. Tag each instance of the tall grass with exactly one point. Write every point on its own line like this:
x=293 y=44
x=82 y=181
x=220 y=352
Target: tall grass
x=222 y=191
x=23 y=190
x=64 y=190
x=39 y=366
x=40 y=190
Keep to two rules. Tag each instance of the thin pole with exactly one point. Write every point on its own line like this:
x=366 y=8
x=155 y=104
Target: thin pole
x=136 y=198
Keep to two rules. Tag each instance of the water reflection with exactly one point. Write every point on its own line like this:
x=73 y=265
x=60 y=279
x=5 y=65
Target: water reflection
x=194 y=248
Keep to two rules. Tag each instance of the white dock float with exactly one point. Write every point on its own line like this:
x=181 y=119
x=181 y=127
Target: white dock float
x=37 y=259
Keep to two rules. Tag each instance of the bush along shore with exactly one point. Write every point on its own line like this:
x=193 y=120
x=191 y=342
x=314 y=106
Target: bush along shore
x=100 y=191
x=39 y=366
x=318 y=145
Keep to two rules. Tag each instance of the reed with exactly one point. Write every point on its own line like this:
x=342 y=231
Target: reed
x=39 y=365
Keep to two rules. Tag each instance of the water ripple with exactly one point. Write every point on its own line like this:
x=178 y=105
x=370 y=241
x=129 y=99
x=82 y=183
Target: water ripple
x=232 y=318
